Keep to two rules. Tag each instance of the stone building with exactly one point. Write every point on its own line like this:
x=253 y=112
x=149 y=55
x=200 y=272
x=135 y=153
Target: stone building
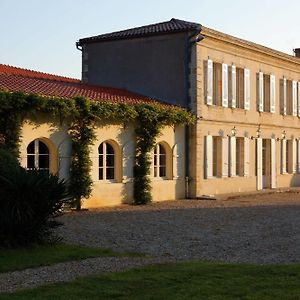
x=246 y=98
x=46 y=145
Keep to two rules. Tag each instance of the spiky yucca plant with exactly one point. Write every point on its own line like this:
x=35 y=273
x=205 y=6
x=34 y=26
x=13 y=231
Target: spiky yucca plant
x=28 y=201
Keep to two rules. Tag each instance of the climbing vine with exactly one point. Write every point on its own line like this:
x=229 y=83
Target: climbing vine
x=82 y=116
x=152 y=118
x=82 y=135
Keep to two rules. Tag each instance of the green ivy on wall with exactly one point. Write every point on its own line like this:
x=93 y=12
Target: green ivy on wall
x=83 y=115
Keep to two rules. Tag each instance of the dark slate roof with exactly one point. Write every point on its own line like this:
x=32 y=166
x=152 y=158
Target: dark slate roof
x=13 y=79
x=172 y=26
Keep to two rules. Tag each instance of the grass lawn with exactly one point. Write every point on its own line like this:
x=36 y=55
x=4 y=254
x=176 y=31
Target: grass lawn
x=19 y=259
x=179 y=281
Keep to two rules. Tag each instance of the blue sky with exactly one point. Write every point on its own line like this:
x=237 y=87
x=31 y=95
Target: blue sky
x=41 y=35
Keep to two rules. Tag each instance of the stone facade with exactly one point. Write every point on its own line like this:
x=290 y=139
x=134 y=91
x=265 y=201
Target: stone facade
x=246 y=98
x=107 y=192
x=266 y=128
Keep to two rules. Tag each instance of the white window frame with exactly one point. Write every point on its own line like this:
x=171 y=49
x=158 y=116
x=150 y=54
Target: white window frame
x=157 y=155
x=37 y=155
x=104 y=167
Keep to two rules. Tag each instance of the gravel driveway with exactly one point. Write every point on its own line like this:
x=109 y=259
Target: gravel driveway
x=256 y=229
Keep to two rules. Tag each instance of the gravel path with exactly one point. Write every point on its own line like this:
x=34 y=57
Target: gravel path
x=62 y=272
x=260 y=229
x=263 y=229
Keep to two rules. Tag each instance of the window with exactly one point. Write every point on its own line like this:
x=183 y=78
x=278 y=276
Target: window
x=264 y=155
x=240 y=88
x=160 y=161
x=37 y=156
x=266 y=92
x=283 y=96
x=289 y=90
x=224 y=156
x=217 y=156
x=106 y=161
x=217 y=84
x=290 y=156
x=237 y=87
x=289 y=103
x=240 y=156
x=287 y=156
x=283 y=156
x=227 y=85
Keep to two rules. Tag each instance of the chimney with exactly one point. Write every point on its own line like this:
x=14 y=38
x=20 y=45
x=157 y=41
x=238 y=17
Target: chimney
x=297 y=52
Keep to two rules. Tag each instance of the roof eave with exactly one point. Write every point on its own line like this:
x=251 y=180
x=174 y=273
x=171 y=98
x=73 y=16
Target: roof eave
x=95 y=39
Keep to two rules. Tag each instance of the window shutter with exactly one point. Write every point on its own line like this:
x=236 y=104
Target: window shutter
x=175 y=163
x=283 y=156
x=298 y=155
x=233 y=156
x=224 y=85
x=225 y=156
x=272 y=94
x=273 y=164
x=283 y=96
x=208 y=157
x=233 y=86
x=295 y=98
x=128 y=159
x=259 y=163
x=209 y=83
x=294 y=156
x=246 y=156
x=260 y=91
x=246 y=89
x=298 y=99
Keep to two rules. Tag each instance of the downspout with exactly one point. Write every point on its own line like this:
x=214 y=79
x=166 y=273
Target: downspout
x=192 y=39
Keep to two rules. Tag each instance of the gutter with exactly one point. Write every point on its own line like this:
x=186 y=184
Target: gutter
x=78 y=46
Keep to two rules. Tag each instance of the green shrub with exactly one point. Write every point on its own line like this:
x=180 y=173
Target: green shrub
x=8 y=163
x=28 y=202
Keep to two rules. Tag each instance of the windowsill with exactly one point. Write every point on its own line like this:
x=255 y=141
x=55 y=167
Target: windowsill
x=266 y=113
x=127 y=180
x=287 y=173
x=235 y=176
x=108 y=181
x=289 y=116
x=238 y=109
x=227 y=177
x=215 y=177
x=223 y=107
x=160 y=179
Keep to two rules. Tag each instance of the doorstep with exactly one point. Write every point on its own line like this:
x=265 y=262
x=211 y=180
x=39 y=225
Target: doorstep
x=231 y=196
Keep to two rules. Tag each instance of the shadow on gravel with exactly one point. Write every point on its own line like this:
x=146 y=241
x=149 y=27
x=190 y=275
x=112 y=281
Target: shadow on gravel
x=253 y=234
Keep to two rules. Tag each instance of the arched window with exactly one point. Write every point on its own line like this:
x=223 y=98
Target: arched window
x=160 y=161
x=106 y=161
x=37 y=156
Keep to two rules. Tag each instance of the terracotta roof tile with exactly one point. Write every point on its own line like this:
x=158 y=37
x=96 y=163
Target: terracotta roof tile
x=22 y=80
x=172 y=26
x=5 y=69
